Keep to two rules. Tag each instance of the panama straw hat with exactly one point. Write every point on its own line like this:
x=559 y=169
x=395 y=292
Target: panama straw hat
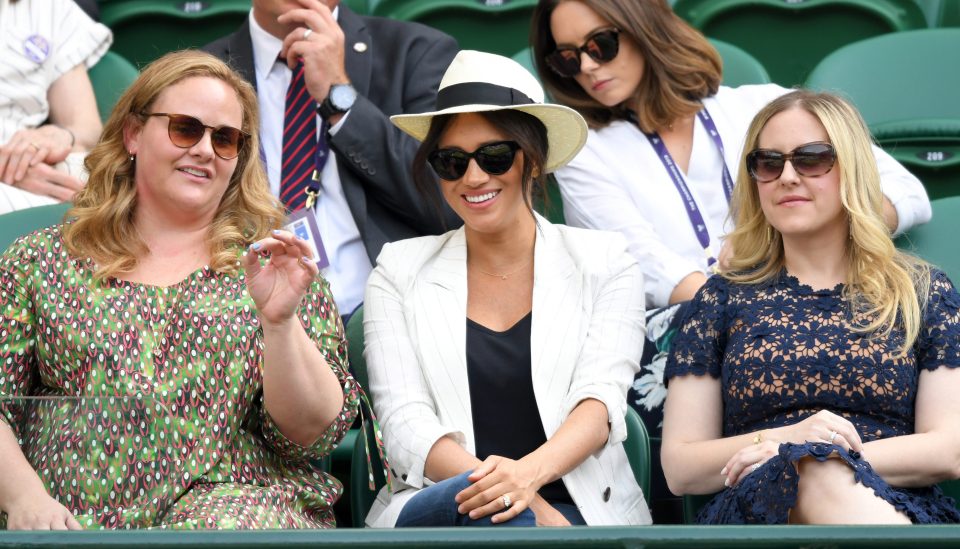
x=481 y=82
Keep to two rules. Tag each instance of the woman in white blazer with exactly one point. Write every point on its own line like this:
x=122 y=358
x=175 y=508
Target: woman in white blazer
x=500 y=353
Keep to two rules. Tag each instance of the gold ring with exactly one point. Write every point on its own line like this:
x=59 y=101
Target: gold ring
x=303 y=263
x=34 y=145
x=307 y=33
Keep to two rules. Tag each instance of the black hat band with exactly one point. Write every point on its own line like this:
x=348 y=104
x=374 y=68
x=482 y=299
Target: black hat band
x=480 y=93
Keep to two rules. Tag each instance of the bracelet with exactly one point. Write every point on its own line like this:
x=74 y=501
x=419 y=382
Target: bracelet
x=73 y=138
x=758 y=438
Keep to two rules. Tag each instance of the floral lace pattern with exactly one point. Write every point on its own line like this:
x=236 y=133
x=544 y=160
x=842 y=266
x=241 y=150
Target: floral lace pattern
x=782 y=352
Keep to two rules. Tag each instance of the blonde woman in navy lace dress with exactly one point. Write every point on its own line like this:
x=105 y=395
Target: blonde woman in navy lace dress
x=815 y=381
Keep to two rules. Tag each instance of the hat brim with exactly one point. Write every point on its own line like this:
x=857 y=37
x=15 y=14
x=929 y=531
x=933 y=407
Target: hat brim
x=566 y=129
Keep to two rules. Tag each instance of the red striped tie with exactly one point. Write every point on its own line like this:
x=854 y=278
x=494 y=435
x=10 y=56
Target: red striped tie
x=302 y=156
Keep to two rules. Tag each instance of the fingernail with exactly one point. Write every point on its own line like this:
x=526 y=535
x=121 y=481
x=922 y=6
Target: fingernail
x=276 y=231
x=255 y=246
x=723 y=471
x=460 y=509
x=473 y=514
x=306 y=259
x=726 y=482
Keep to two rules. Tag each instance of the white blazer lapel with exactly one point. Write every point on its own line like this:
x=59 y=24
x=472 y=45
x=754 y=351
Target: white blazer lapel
x=440 y=307
x=558 y=318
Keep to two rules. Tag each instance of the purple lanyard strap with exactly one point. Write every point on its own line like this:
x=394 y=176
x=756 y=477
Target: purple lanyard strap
x=693 y=210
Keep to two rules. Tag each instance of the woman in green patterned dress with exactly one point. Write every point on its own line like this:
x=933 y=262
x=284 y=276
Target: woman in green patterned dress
x=168 y=357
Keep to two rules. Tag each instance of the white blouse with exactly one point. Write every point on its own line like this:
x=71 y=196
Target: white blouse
x=618 y=183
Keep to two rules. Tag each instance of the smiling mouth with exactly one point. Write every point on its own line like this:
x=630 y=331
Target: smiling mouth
x=480 y=198
x=195 y=172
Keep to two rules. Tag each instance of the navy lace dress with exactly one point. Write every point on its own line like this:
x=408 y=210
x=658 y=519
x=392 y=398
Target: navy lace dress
x=782 y=353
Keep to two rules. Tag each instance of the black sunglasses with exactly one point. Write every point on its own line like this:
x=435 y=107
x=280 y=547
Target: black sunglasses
x=809 y=160
x=186 y=131
x=494 y=158
x=602 y=46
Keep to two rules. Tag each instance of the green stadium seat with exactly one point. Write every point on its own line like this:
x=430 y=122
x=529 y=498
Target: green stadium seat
x=739 y=67
x=495 y=26
x=143 y=30
x=934 y=241
x=13 y=225
x=904 y=85
x=790 y=37
x=361 y=7
x=941 y=13
x=110 y=78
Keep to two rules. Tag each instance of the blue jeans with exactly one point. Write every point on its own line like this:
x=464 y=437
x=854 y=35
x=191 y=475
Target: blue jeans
x=435 y=506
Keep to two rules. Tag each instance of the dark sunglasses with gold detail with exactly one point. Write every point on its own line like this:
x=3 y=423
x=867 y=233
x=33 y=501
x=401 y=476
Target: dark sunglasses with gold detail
x=602 y=46
x=186 y=131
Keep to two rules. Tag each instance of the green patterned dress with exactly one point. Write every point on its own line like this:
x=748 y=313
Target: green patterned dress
x=142 y=406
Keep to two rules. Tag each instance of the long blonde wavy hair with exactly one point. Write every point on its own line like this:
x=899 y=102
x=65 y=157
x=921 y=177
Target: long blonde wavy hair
x=103 y=227
x=885 y=287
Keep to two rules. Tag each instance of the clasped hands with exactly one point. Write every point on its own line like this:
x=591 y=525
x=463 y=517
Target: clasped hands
x=26 y=162
x=278 y=286
x=824 y=426
x=498 y=477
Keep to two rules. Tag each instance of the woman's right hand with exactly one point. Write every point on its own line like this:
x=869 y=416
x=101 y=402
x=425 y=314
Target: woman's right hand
x=823 y=426
x=40 y=512
x=547 y=515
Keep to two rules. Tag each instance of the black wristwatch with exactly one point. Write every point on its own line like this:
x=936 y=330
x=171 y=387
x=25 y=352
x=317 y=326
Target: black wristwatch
x=340 y=99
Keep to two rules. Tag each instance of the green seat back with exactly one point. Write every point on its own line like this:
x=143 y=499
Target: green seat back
x=354 y=331
x=739 y=67
x=637 y=447
x=110 y=78
x=361 y=7
x=952 y=489
x=920 y=127
x=934 y=241
x=493 y=26
x=941 y=13
x=13 y=225
x=790 y=37
x=550 y=205
x=144 y=30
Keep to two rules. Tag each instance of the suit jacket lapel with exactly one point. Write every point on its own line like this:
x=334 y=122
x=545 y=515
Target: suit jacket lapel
x=558 y=320
x=441 y=322
x=240 y=53
x=357 y=58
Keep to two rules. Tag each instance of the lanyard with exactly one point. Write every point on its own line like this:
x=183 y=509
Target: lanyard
x=693 y=210
x=319 y=161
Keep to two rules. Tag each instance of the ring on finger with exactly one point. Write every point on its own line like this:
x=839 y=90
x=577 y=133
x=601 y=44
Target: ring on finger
x=833 y=435
x=303 y=263
x=307 y=33
x=754 y=467
x=505 y=498
x=34 y=145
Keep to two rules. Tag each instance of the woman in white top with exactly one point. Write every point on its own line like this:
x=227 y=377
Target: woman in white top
x=500 y=353
x=48 y=112
x=642 y=71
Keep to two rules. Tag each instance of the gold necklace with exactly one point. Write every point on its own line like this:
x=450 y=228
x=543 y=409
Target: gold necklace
x=506 y=275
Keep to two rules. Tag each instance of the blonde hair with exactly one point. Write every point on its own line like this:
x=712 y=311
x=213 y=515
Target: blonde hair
x=681 y=67
x=103 y=227
x=884 y=286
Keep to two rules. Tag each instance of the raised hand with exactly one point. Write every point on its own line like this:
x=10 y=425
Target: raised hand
x=278 y=286
x=318 y=42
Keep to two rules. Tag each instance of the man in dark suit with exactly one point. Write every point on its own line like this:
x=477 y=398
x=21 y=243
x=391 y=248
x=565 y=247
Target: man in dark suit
x=357 y=71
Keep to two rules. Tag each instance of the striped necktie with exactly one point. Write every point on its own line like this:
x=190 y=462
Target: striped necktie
x=303 y=156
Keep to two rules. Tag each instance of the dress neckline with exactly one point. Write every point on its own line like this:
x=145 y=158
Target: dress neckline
x=793 y=283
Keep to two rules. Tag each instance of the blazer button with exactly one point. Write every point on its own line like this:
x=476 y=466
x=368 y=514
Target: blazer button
x=363 y=165
x=606 y=495
x=372 y=171
x=404 y=476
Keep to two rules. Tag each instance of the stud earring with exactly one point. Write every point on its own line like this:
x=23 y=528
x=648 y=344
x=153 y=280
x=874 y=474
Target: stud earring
x=132 y=156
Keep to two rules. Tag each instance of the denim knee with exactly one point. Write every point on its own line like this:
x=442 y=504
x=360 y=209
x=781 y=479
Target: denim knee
x=436 y=506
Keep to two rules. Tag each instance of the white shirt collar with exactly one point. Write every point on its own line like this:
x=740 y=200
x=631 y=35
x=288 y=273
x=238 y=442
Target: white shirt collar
x=266 y=47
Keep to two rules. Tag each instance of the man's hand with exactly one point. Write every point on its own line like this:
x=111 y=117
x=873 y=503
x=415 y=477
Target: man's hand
x=318 y=42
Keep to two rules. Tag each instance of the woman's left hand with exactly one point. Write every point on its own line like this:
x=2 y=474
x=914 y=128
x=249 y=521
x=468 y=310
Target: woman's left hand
x=498 y=477
x=748 y=460
x=278 y=287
